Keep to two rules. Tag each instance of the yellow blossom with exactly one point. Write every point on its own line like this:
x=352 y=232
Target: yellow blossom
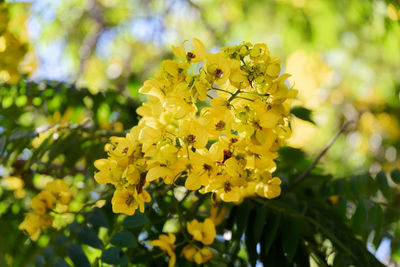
x=199 y=256
x=167 y=244
x=203 y=232
x=125 y=201
x=194 y=56
x=34 y=224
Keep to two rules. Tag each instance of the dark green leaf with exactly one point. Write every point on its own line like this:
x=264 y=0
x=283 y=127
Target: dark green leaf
x=290 y=237
x=302 y=113
x=49 y=252
x=260 y=221
x=2 y=144
x=251 y=244
x=89 y=237
x=76 y=254
x=39 y=261
x=374 y=215
x=395 y=174
x=383 y=185
x=382 y=181
x=271 y=229
x=114 y=256
x=60 y=263
x=359 y=217
x=96 y=217
x=60 y=240
x=354 y=186
x=242 y=217
x=123 y=239
x=136 y=220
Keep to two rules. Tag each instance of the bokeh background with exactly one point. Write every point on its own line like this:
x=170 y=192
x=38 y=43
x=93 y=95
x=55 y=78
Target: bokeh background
x=344 y=58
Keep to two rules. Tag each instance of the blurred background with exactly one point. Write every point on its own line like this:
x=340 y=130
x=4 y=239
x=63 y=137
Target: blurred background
x=344 y=58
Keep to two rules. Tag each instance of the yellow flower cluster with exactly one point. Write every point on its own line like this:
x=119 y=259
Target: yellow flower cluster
x=17 y=54
x=226 y=147
x=203 y=232
x=56 y=196
x=167 y=244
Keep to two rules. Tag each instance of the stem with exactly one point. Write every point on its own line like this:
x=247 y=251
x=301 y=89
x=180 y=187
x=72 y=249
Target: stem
x=234 y=95
x=245 y=98
x=302 y=176
x=222 y=90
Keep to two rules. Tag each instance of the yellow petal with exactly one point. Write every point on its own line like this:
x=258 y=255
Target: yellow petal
x=209 y=232
x=179 y=51
x=193 y=181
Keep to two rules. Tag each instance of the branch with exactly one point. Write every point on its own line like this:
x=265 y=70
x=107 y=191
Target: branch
x=302 y=176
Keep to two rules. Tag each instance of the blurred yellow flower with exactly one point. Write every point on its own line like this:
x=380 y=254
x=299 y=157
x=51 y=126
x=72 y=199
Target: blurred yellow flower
x=203 y=232
x=167 y=244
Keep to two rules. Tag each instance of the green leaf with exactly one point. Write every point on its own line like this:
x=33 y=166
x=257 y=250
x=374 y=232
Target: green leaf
x=271 y=229
x=354 y=186
x=39 y=261
x=395 y=174
x=114 y=256
x=359 y=217
x=382 y=181
x=89 y=237
x=251 y=243
x=242 y=217
x=136 y=220
x=260 y=220
x=3 y=140
x=290 y=237
x=302 y=113
x=76 y=254
x=123 y=239
x=49 y=252
x=383 y=185
x=96 y=217
x=60 y=263
x=374 y=215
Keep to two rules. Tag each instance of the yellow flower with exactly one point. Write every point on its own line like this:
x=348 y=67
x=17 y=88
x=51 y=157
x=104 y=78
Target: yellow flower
x=14 y=183
x=157 y=172
x=193 y=133
x=219 y=119
x=217 y=67
x=34 y=223
x=194 y=56
x=204 y=232
x=166 y=243
x=270 y=189
x=200 y=256
x=142 y=198
x=260 y=52
x=226 y=187
x=125 y=201
x=121 y=147
x=59 y=189
x=108 y=171
x=202 y=168
x=43 y=202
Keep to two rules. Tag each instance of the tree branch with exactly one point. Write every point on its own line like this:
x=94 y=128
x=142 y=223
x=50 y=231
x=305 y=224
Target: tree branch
x=302 y=176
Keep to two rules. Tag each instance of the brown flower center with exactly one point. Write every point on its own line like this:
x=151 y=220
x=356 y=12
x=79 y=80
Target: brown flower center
x=218 y=73
x=227 y=187
x=220 y=125
x=190 y=139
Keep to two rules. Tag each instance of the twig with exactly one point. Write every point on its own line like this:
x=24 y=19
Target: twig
x=317 y=159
